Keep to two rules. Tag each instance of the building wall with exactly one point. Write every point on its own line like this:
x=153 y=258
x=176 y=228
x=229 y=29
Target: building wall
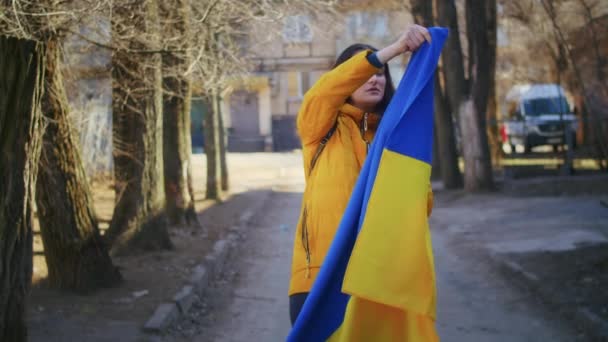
x=89 y=88
x=306 y=48
x=244 y=133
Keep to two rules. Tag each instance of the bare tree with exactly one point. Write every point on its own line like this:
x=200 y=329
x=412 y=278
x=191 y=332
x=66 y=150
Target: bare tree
x=587 y=8
x=492 y=127
x=558 y=28
x=26 y=32
x=177 y=87
x=22 y=70
x=212 y=144
x=551 y=10
x=481 y=30
x=469 y=97
x=599 y=127
x=139 y=220
x=76 y=257
x=223 y=141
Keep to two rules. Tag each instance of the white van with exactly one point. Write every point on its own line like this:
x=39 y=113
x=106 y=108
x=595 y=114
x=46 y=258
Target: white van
x=537 y=114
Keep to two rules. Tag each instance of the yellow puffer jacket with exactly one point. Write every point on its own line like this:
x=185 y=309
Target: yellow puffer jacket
x=330 y=183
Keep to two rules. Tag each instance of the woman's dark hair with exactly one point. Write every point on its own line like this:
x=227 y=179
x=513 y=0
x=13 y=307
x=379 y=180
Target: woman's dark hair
x=389 y=89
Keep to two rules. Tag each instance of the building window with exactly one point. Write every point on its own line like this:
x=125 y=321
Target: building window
x=298 y=83
x=297 y=29
x=367 y=24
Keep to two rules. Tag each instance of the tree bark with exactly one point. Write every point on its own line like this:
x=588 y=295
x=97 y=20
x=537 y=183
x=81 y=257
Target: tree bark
x=492 y=129
x=21 y=90
x=422 y=11
x=76 y=256
x=482 y=31
x=139 y=221
x=600 y=61
x=223 y=139
x=451 y=56
x=469 y=99
x=567 y=167
x=177 y=86
x=444 y=125
x=212 y=148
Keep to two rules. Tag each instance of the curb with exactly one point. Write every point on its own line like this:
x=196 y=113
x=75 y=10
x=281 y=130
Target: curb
x=168 y=312
x=592 y=325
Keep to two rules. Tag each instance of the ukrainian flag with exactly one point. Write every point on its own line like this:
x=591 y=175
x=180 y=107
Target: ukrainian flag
x=377 y=282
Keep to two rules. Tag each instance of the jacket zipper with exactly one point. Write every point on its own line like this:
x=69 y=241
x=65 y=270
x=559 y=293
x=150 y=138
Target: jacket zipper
x=306 y=241
x=363 y=127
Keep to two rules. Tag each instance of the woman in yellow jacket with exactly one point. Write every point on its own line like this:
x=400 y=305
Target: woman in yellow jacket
x=336 y=124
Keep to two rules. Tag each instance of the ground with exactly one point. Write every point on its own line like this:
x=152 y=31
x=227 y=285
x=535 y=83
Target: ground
x=556 y=238
x=153 y=277
x=496 y=231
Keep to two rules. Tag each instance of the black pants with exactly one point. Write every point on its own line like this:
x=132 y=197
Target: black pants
x=296 y=302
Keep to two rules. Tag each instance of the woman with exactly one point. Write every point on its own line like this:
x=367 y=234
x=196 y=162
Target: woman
x=336 y=124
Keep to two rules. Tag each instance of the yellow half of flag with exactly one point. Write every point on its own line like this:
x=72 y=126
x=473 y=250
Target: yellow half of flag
x=390 y=274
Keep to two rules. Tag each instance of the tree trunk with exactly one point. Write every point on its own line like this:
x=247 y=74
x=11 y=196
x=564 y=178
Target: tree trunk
x=492 y=129
x=596 y=124
x=177 y=99
x=139 y=220
x=444 y=126
x=469 y=99
x=76 y=257
x=422 y=11
x=478 y=164
x=600 y=61
x=476 y=159
x=223 y=152
x=451 y=56
x=549 y=8
x=21 y=89
x=212 y=147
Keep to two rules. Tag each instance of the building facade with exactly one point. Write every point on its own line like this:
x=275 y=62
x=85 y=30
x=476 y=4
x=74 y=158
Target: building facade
x=260 y=114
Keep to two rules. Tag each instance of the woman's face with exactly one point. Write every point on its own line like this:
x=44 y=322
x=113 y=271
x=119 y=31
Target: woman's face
x=371 y=93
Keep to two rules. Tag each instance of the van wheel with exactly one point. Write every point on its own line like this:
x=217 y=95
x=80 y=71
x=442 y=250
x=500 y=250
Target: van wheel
x=527 y=148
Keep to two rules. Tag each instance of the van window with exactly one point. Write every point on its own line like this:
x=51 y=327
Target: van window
x=547 y=105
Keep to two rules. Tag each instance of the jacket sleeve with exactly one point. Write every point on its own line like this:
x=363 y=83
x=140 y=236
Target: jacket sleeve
x=322 y=102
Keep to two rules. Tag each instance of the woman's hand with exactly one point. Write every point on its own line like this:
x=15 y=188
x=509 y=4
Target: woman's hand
x=413 y=38
x=409 y=41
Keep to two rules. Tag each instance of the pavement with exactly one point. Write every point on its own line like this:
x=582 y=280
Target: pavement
x=250 y=302
x=553 y=248
x=475 y=238
x=511 y=266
